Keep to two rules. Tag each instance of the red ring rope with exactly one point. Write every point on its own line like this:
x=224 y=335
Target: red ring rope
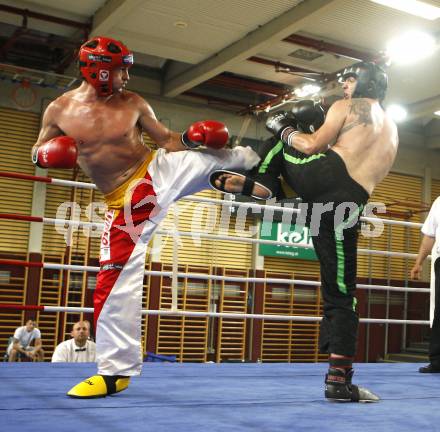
x=20 y=307
x=8 y=174
x=19 y=263
x=14 y=216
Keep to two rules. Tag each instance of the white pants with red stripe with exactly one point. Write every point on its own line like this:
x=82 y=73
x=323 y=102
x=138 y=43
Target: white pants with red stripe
x=118 y=294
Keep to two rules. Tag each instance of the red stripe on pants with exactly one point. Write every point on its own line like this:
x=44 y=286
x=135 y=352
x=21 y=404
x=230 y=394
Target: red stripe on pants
x=121 y=238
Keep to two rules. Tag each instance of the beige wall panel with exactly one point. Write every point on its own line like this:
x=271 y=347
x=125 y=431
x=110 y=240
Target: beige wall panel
x=18 y=132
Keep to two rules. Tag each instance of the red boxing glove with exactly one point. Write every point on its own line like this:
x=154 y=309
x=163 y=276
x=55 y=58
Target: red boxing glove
x=209 y=133
x=59 y=152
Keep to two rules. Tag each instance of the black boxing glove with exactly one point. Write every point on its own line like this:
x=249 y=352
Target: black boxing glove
x=282 y=125
x=309 y=115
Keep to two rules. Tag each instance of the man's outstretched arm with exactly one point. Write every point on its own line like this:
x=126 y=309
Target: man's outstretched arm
x=209 y=133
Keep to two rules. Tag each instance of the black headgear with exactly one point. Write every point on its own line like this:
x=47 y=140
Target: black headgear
x=372 y=80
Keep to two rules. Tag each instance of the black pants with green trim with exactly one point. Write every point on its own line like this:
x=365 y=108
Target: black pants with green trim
x=323 y=182
x=434 y=344
x=337 y=253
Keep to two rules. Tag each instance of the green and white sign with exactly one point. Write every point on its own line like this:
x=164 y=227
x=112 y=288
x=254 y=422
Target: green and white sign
x=294 y=237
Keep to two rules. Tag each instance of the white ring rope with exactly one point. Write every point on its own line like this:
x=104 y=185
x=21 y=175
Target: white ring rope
x=80 y=224
x=269 y=317
x=274 y=242
x=249 y=205
x=72 y=183
x=290 y=210
x=80 y=268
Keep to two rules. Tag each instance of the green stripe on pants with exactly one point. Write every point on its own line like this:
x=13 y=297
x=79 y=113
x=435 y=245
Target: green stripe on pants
x=268 y=159
x=299 y=161
x=340 y=255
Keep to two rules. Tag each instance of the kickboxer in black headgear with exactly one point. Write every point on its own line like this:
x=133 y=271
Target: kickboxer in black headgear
x=334 y=166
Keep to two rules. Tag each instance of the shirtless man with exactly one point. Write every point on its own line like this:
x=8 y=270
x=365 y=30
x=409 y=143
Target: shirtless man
x=102 y=123
x=336 y=169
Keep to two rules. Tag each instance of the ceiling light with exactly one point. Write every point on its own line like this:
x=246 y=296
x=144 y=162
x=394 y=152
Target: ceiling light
x=397 y=113
x=411 y=47
x=437 y=113
x=413 y=7
x=307 y=90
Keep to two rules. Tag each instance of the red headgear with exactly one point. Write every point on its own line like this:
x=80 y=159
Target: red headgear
x=98 y=57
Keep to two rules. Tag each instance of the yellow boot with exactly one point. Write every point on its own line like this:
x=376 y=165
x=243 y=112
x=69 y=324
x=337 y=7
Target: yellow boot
x=99 y=386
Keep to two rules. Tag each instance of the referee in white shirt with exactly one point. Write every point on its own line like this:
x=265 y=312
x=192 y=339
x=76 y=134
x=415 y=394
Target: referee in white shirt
x=79 y=349
x=431 y=234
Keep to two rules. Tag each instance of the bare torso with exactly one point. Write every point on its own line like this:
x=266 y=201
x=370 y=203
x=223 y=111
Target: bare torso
x=367 y=143
x=108 y=135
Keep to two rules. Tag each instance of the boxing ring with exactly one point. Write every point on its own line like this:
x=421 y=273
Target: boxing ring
x=248 y=397
x=214 y=396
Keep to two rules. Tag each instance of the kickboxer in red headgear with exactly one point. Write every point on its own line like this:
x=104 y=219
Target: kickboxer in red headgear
x=100 y=125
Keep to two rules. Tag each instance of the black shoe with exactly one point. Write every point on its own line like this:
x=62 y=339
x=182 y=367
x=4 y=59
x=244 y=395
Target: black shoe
x=430 y=369
x=338 y=388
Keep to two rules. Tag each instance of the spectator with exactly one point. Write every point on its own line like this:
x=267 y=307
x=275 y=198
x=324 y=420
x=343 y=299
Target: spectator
x=90 y=338
x=21 y=343
x=79 y=349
